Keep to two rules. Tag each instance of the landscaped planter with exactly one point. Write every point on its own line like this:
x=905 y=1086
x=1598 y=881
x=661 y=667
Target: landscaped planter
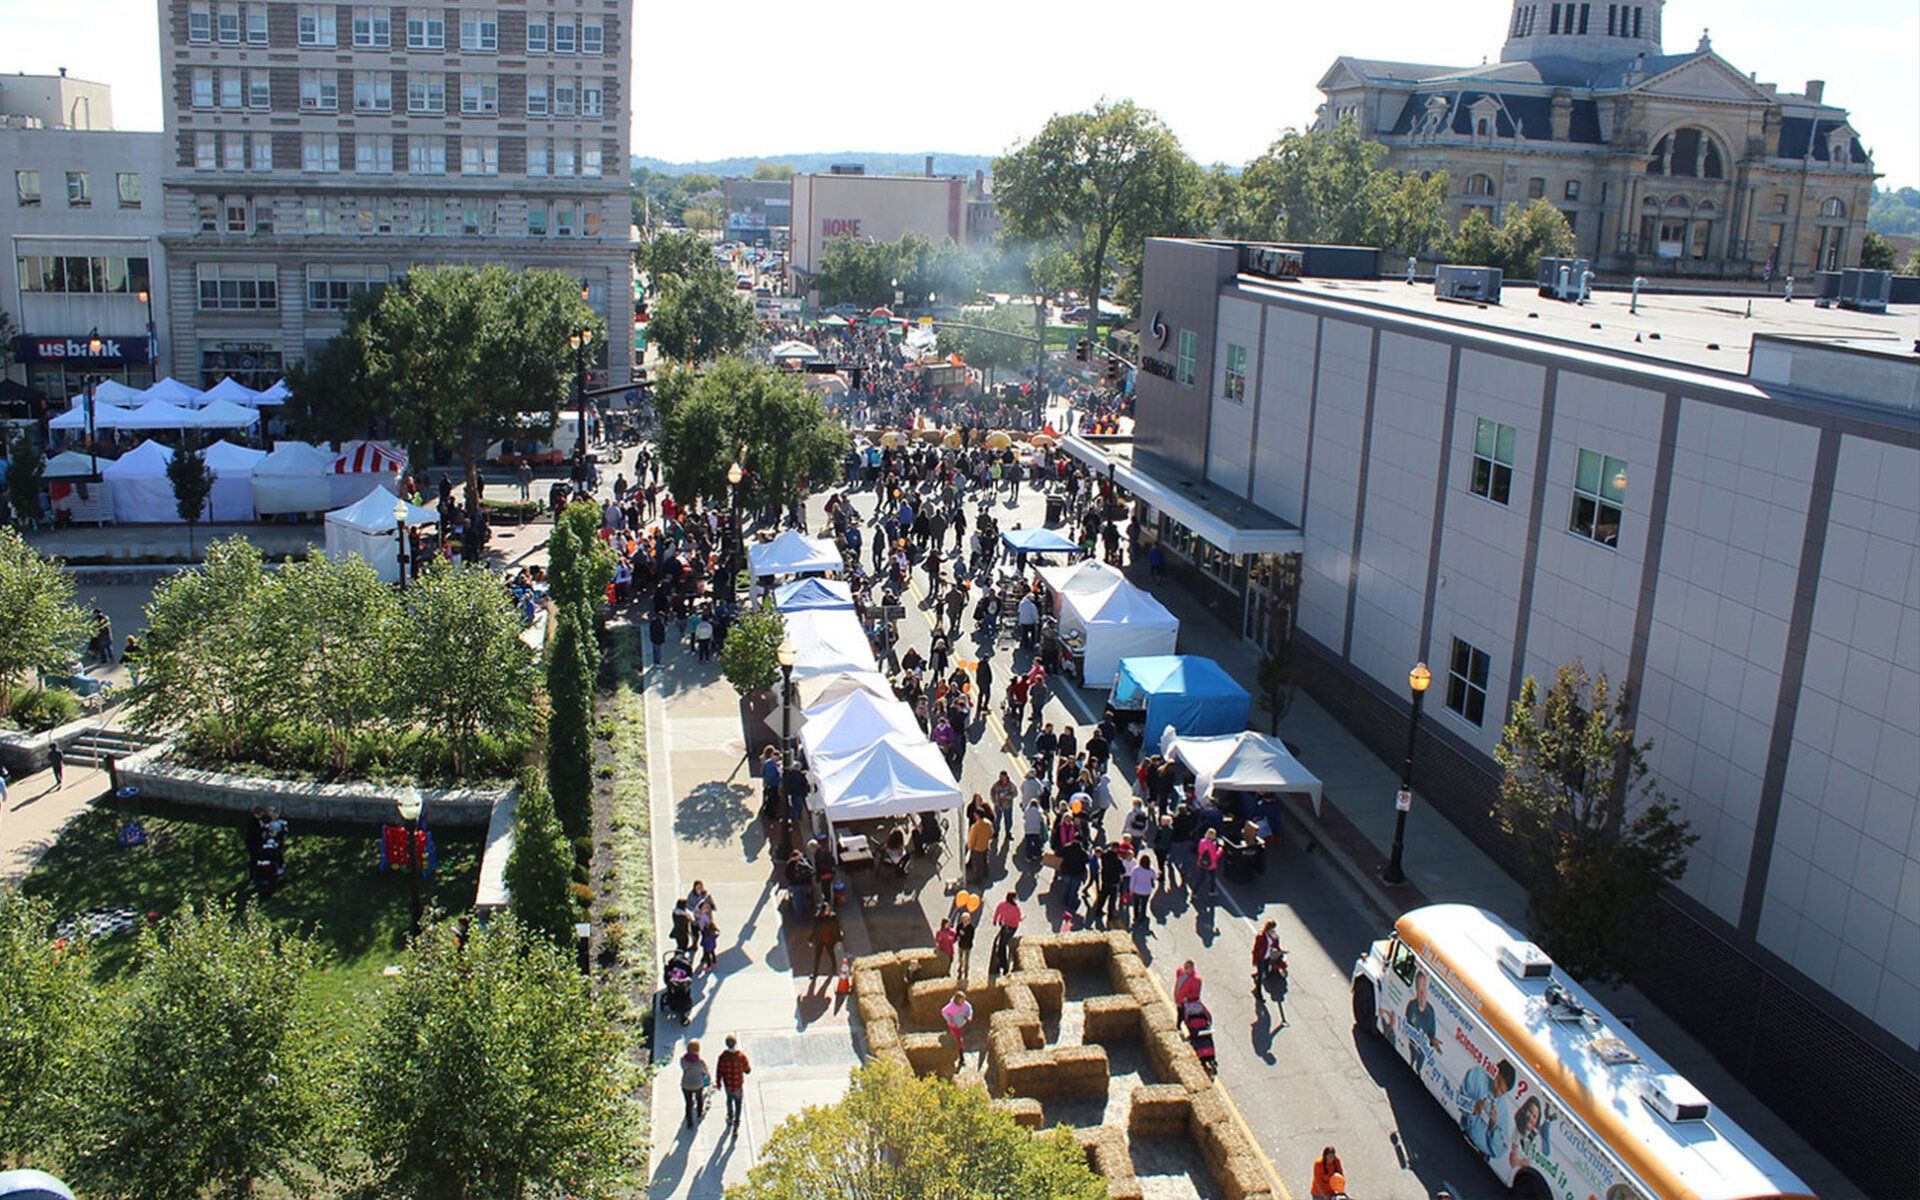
x=366 y=803
x=24 y=753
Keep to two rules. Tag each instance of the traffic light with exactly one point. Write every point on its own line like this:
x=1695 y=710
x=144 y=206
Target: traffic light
x=1080 y=349
x=1116 y=368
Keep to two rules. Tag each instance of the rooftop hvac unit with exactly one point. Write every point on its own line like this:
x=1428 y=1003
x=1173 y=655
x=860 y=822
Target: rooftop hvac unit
x=1524 y=960
x=1560 y=277
x=1472 y=284
x=1674 y=1098
x=1865 y=291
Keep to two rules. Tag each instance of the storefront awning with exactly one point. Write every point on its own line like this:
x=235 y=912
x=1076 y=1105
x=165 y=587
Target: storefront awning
x=1247 y=530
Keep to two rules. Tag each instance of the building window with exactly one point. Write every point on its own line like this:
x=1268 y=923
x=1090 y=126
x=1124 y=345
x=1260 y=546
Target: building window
x=256 y=24
x=536 y=156
x=331 y=287
x=206 y=155
x=563 y=156
x=1833 y=206
x=199 y=24
x=259 y=90
x=202 y=92
x=373 y=154
x=230 y=89
x=79 y=190
x=1492 y=460
x=479 y=156
x=319 y=91
x=320 y=152
x=563 y=219
x=229 y=24
x=233 y=151
x=1599 y=493
x=1536 y=188
x=235 y=208
x=563 y=37
x=1780 y=204
x=1467 y=682
x=1234 y=386
x=479 y=94
x=590 y=104
x=239 y=287
x=536 y=97
x=1480 y=185
x=26 y=188
x=426 y=155
x=536 y=219
x=127 y=185
x=590 y=161
x=426 y=33
x=1573 y=189
x=563 y=98
x=593 y=39
x=426 y=93
x=372 y=91
x=82 y=275
x=372 y=28
x=479 y=31
x=1186 y=361
x=1689 y=153
x=319 y=25
x=263 y=152
x=536 y=37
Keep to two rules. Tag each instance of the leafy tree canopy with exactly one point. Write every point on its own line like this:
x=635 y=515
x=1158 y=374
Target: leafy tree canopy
x=701 y=315
x=778 y=431
x=45 y=1047
x=856 y=271
x=751 y=657
x=44 y=628
x=1877 y=253
x=1329 y=186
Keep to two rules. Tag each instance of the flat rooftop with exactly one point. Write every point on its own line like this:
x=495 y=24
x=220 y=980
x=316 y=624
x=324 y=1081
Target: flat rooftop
x=1711 y=332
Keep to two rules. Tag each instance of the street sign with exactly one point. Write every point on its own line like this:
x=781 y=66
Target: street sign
x=1404 y=800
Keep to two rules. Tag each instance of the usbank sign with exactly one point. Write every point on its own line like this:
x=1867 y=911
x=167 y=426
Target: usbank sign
x=114 y=351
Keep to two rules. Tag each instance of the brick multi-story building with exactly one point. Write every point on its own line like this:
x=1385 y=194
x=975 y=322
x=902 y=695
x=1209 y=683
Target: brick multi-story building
x=318 y=149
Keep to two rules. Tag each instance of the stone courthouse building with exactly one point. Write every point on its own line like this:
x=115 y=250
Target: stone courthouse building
x=1664 y=164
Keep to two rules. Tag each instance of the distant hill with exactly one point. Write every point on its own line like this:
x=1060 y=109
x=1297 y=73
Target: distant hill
x=875 y=162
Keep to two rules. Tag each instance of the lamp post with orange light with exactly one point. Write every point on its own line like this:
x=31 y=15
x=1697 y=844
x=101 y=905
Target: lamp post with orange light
x=1418 y=679
x=93 y=383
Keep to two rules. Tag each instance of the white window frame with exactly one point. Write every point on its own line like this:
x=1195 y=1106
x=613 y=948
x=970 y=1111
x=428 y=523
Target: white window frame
x=426 y=155
x=590 y=100
x=480 y=31
x=200 y=24
x=565 y=155
x=372 y=28
x=320 y=153
x=537 y=98
x=1469 y=670
x=320 y=90
x=235 y=215
x=373 y=154
x=536 y=37
x=256 y=22
x=226 y=24
x=206 y=153
x=538 y=222
x=79 y=189
x=590 y=160
x=233 y=151
x=426 y=93
x=565 y=93
x=131 y=196
x=538 y=154
x=259 y=90
x=479 y=95
x=564 y=223
x=378 y=91
x=593 y=39
x=318 y=25
x=567 y=44
x=233 y=89
x=426 y=33
x=479 y=156
x=1492 y=454
x=201 y=89
x=256 y=287
x=1233 y=374
x=261 y=149
x=1186 y=362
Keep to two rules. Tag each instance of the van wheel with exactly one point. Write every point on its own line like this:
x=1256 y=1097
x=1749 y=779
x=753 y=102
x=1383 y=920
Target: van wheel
x=1528 y=1185
x=1364 y=1014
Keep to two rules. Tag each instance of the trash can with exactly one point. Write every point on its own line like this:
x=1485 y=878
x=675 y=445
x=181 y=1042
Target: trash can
x=1056 y=508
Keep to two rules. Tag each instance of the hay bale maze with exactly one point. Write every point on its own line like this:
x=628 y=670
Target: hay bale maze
x=1078 y=1034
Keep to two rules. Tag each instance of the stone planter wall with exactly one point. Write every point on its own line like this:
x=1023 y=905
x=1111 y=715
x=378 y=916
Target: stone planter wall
x=364 y=803
x=24 y=753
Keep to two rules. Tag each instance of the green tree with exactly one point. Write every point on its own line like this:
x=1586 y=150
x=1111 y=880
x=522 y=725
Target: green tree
x=1535 y=232
x=327 y=633
x=44 y=627
x=674 y=253
x=991 y=338
x=1577 y=796
x=469 y=672
x=751 y=658
x=1095 y=185
x=1877 y=253
x=1912 y=265
x=456 y=356
x=540 y=868
x=1329 y=185
x=779 y=432
x=580 y=565
x=192 y=484
x=569 y=726
x=201 y=659
x=701 y=316
x=25 y=468
x=1475 y=242
x=856 y=271
x=332 y=399
x=493 y=1071
x=703 y=217
x=216 y=1074
x=773 y=170
x=47 y=1000
x=7 y=334
x=895 y=1137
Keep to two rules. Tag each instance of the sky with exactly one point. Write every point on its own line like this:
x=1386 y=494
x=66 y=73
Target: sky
x=1226 y=75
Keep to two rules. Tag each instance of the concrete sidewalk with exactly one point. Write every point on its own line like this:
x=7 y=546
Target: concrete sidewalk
x=800 y=1043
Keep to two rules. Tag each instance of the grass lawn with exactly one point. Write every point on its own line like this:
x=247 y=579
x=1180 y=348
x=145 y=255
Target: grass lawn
x=334 y=891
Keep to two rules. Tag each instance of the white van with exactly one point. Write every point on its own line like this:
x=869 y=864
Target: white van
x=552 y=450
x=1563 y=1101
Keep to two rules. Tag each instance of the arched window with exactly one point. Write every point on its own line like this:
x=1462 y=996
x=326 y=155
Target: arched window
x=1711 y=166
x=1482 y=128
x=1688 y=152
x=1832 y=206
x=1482 y=185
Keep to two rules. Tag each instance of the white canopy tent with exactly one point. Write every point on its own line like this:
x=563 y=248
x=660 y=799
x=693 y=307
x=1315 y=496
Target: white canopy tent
x=109 y=391
x=105 y=416
x=292 y=479
x=1242 y=762
x=232 y=469
x=792 y=553
x=225 y=414
x=232 y=389
x=828 y=640
x=142 y=493
x=174 y=392
x=792 y=351
x=816 y=690
x=79 y=502
x=275 y=393
x=853 y=722
x=158 y=414
x=1121 y=622
x=1087 y=577
x=898 y=776
x=812 y=592
x=370 y=527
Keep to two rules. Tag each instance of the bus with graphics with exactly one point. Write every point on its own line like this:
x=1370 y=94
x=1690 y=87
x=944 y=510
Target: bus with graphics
x=1561 y=1099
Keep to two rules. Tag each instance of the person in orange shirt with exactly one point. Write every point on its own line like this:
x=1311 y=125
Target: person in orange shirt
x=1329 y=1178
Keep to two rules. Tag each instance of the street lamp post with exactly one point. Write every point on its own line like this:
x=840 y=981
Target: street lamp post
x=1395 y=875
x=411 y=804
x=153 y=340
x=787 y=654
x=93 y=384
x=580 y=340
x=736 y=552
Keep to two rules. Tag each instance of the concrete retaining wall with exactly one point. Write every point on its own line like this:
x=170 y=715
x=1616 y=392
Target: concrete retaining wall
x=24 y=753
x=364 y=803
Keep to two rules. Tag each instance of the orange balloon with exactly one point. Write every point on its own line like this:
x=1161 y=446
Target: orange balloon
x=1076 y=806
x=973 y=903
x=960 y=899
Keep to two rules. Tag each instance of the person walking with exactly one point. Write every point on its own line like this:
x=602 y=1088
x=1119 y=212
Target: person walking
x=1265 y=944
x=523 y=475
x=57 y=763
x=695 y=1079
x=1034 y=825
x=1003 y=794
x=964 y=928
x=979 y=846
x=826 y=936
x=957 y=1012
x=657 y=635
x=1186 y=984
x=1140 y=884
x=703 y=637
x=1113 y=873
x=1206 y=857
x=732 y=1069
x=1006 y=927
x=983 y=683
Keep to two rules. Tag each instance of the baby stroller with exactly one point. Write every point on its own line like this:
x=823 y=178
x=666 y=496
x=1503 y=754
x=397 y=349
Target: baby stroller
x=1199 y=1026
x=679 y=976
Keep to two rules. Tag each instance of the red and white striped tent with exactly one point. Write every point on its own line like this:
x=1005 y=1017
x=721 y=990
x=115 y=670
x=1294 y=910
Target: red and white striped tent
x=363 y=466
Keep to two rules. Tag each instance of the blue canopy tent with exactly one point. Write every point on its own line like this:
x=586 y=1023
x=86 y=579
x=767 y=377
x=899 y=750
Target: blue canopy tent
x=1038 y=541
x=1193 y=695
x=812 y=593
